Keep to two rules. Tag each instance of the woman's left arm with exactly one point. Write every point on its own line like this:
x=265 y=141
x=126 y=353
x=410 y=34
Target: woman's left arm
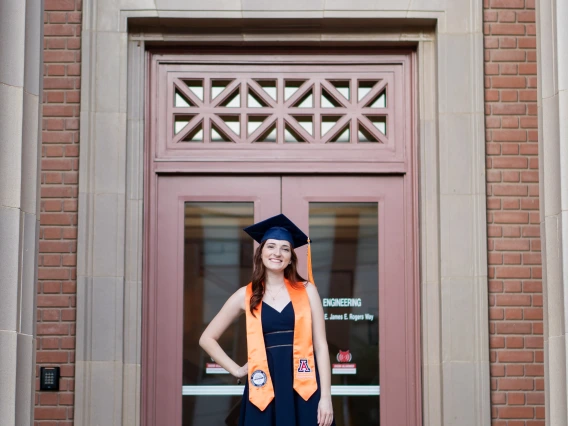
x=325 y=409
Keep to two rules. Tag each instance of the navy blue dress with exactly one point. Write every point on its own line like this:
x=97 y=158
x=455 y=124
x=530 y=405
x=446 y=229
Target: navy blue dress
x=287 y=408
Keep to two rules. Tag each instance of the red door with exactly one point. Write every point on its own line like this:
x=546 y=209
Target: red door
x=362 y=267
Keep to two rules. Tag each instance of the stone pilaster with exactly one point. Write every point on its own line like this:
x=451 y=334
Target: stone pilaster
x=552 y=36
x=21 y=35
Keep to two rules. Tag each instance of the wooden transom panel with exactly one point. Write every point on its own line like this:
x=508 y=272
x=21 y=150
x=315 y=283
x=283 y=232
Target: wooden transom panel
x=263 y=108
x=258 y=108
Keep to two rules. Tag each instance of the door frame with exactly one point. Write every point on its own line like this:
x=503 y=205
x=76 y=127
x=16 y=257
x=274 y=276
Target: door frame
x=112 y=193
x=156 y=167
x=165 y=302
x=406 y=397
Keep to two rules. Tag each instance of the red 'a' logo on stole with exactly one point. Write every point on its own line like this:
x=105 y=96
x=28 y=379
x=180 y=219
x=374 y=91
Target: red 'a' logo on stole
x=304 y=367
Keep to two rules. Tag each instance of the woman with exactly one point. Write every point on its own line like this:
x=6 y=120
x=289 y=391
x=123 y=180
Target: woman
x=285 y=326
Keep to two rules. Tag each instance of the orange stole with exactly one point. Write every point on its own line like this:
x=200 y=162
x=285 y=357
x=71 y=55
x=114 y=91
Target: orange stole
x=261 y=391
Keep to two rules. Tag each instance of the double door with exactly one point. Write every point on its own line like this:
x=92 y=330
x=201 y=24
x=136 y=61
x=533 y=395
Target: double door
x=362 y=263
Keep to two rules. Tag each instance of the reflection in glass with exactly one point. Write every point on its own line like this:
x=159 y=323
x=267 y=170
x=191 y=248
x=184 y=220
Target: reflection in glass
x=269 y=87
x=365 y=135
x=380 y=101
x=217 y=135
x=291 y=87
x=233 y=100
x=217 y=87
x=306 y=101
x=269 y=135
x=327 y=123
x=345 y=262
x=217 y=261
x=181 y=101
x=380 y=123
x=254 y=122
x=196 y=86
x=327 y=101
x=291 y=135
x=344 y=135
x=365 y=87
x=233 y=122
x=343 y=87
x=195 y=135
x=255 y=101
x=307 y=122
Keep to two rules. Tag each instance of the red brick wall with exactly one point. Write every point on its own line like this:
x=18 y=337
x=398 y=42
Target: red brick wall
x=58 y=220
x=515 y=288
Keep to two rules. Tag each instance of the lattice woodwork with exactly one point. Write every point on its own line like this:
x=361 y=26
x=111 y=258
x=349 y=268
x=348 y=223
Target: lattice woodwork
x=291 y=109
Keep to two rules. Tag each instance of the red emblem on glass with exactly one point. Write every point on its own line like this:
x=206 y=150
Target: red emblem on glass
x=344 y=356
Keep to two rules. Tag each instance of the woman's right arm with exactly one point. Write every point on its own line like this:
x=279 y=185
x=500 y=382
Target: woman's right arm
x=209 y=339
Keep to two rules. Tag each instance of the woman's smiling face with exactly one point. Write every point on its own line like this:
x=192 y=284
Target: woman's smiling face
x=276 y=255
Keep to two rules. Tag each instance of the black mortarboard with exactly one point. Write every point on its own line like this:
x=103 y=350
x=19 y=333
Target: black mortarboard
x=278 y=228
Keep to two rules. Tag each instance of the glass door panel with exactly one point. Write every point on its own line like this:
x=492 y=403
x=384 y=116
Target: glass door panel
x=357 y=229
x=202 y=257
x=217 y=261
x=345 y=264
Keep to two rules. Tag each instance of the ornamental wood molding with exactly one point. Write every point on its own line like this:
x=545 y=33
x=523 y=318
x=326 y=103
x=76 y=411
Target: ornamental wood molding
x=288 y=108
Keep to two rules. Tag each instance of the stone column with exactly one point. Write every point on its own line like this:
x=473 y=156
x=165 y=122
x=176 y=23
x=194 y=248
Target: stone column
x=552 y=49
x=21 y=36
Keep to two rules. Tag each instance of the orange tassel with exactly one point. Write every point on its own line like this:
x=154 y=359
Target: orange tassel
x=310 y=273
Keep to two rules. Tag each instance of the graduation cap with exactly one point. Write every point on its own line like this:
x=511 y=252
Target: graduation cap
x=279 y=227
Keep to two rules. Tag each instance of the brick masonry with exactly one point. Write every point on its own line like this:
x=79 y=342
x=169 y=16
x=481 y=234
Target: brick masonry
x=56 y=288
x=515 y=287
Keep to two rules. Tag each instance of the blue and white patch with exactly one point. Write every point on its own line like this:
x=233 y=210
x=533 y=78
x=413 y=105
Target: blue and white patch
x=258 y=378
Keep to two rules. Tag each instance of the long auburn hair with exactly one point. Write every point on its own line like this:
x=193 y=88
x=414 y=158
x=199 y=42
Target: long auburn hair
x=259 y=275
